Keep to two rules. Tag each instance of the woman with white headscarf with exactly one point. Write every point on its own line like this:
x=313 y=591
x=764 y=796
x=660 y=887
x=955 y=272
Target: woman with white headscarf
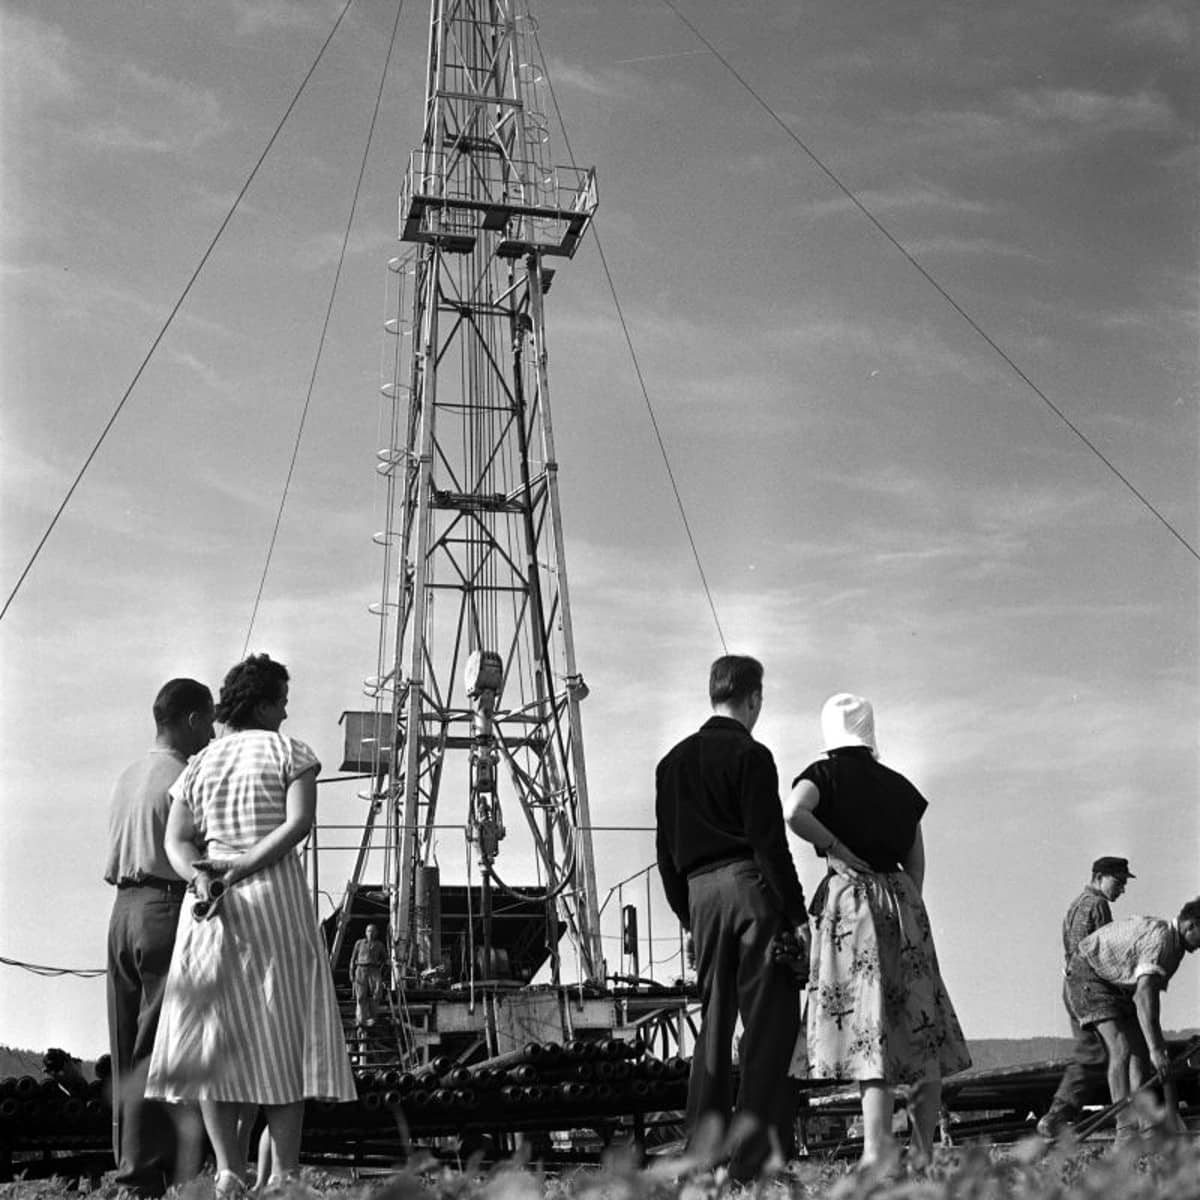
x=878 y=1011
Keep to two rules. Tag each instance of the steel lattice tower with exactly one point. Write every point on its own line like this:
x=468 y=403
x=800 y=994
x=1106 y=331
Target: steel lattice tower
x=476 y=717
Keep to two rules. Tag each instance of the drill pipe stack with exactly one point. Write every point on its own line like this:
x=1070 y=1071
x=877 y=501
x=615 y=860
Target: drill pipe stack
x=542 y=1086
x=560 y=1085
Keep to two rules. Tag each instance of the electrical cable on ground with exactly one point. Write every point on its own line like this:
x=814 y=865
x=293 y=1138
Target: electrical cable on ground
x=54 y=972
x=950 y=300
x=171 y=315
x=312 y=380
x=637 y=368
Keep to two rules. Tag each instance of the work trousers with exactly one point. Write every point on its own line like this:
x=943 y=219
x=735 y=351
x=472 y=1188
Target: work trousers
x=367 y=982
x=1086 y=1073
x=734 y=920
x=141 y=936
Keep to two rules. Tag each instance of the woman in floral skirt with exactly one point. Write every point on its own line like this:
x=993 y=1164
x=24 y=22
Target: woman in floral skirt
x=878 y=1011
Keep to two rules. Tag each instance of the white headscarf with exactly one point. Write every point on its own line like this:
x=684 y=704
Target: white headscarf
x=848 y=720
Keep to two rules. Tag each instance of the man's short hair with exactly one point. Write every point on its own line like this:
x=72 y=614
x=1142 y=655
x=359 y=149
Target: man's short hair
x=734 y=678
x=1190 y=911
x=179 y=697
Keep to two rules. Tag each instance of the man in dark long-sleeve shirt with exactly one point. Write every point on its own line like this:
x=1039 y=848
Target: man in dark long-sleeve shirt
x=730 y=879
x=1089 y=911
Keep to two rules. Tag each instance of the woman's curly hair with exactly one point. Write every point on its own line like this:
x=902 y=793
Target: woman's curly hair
x=252 y=681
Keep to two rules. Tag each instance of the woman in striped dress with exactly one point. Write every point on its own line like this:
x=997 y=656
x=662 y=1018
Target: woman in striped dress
x=249 y=1015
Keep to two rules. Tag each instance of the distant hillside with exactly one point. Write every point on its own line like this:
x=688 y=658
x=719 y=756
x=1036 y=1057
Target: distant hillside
x=29 y=1062
x=20 y=1062
x=988 y=1053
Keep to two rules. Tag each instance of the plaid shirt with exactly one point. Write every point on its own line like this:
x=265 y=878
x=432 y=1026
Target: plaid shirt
x=1123 y=951
x=1089 y=911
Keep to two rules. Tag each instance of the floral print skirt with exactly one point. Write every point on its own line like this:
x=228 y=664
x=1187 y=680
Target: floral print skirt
x=877 y=1007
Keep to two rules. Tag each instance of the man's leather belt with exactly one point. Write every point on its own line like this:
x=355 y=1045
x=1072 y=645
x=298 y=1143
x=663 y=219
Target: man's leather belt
x=704 y=868
x=173 y=887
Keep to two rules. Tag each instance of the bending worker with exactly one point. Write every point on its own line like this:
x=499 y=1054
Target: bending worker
x=1114 y=982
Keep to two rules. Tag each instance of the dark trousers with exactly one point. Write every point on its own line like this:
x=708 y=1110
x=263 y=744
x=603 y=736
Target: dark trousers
x=1087 y=1055
x=734 y=919
x=141 y=936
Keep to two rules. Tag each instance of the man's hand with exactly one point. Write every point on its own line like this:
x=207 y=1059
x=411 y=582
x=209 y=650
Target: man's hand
x=789 y=949
x=804 y=937
x=1160 y=1060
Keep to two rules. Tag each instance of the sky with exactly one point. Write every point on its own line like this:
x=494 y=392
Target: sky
x=880 y=504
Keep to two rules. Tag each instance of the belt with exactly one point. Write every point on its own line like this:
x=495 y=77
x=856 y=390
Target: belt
x=716 y=863
x=172 y=887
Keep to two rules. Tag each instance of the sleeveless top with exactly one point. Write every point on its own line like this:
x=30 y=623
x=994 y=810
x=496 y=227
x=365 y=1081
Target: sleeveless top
x=868 y=807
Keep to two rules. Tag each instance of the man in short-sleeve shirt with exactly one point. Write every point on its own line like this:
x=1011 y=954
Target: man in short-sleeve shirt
x=1133 y=948
x=155 y=1145
x=1114 y=981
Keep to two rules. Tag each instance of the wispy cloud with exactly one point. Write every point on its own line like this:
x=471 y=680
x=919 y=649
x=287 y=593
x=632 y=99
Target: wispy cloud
x=948 y=243
x=613 y=83
x=79 y=295
x=252 y=17
x=1164 y=24
x=28 y=473
x=605 y=85
x=645 y=58
x=152 y=113
x=39 y=63
x=885 y=342
x=1167 y=313
x=161 y=116
x=201 y=368
x=1041 y=120
x=1093 y=111
x=322 y=250
x=921 y=197
x=899 y=529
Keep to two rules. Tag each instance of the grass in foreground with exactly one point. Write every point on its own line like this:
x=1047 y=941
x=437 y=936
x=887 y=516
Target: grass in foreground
x=1162 y=1170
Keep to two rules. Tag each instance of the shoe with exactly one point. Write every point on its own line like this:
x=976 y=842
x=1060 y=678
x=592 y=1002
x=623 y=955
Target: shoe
x=1055 y=1123
x=229 y=1185
x=290 y=1184
x=915 y=1162
x=1128 y=1134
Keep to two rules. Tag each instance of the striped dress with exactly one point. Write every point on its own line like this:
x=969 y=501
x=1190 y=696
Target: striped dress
x=249 y=1012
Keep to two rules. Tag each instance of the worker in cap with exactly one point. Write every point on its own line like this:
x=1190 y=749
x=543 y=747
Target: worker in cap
x=1090 y=910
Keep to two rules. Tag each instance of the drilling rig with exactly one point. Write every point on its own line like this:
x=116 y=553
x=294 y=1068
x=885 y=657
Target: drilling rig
x=473 y=733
